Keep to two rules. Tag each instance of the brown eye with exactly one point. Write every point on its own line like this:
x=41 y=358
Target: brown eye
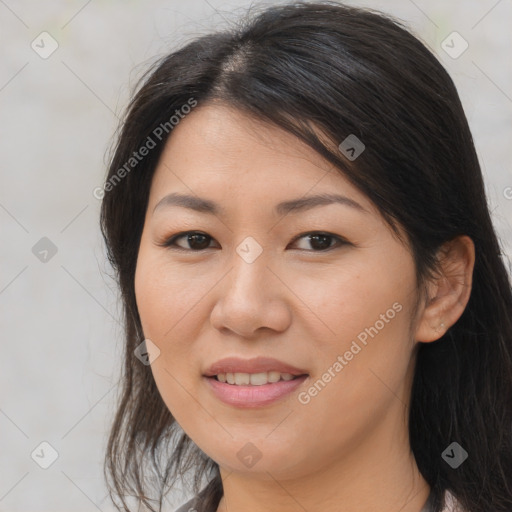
x=320 y=241
x=195 y=240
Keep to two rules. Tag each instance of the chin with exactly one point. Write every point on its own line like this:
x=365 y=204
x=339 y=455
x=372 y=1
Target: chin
x=260 y=458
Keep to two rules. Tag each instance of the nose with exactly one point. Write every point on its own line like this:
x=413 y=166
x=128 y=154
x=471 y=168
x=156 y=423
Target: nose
x=250 y=299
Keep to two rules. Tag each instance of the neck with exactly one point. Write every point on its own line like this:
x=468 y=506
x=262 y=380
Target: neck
x=325 y=493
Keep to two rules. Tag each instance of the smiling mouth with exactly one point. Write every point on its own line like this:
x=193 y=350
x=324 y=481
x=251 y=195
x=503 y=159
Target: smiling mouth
x=254 y=379
x=262 y=392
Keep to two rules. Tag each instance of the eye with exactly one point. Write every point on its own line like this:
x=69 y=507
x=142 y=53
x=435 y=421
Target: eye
x=321 y=241
x=198 y=241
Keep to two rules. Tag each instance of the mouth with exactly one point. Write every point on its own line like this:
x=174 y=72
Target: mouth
x=262 y=369
x=249 y=396
x=254 y=379
x=250 y=383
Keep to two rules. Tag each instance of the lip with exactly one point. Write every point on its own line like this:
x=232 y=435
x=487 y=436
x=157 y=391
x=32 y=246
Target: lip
x=252 y=396
x=249 y=397
x=255 y=365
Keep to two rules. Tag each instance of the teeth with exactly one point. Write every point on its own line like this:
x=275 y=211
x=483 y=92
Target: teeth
x=241 y=379
x=253 y=379
x=273 y=376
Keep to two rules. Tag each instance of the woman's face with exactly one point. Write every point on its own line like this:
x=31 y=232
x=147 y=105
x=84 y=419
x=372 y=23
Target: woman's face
x=253 y=283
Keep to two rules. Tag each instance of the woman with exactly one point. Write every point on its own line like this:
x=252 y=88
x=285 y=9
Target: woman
x=317 y=315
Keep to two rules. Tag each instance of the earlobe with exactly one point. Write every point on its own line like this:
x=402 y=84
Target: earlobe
x=450 y=291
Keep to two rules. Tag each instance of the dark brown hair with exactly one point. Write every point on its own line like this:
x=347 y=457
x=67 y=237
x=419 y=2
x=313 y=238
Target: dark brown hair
x=342 y=70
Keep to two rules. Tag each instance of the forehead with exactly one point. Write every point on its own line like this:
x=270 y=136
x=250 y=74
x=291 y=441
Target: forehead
x=218 y=150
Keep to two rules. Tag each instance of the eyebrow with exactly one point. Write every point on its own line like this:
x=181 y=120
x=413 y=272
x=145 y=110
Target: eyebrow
x=295 y=205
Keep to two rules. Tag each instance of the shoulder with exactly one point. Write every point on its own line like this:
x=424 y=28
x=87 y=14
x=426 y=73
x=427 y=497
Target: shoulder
x=206 y=499
x=189 y=506
x=450 y=503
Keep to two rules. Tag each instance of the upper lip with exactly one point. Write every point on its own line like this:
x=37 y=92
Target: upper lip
x=255 y=365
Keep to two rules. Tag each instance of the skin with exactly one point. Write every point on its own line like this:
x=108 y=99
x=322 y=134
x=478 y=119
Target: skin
x=347 y=449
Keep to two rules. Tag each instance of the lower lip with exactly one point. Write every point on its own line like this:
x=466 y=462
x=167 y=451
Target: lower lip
x=253 y=396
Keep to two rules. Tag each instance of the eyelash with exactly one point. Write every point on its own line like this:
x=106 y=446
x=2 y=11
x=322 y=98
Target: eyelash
x=171 y=242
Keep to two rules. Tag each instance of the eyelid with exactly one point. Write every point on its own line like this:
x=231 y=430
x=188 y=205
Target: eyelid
x=170 y=242
x=325 y=233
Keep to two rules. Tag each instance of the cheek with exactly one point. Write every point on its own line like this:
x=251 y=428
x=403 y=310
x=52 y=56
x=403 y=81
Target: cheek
x=166 y=296
x=362 y=315
x=165 y=301
x=344 y=301
x=362 y=368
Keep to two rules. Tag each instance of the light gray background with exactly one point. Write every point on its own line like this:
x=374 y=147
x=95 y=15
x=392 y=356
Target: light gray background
x=60 y=319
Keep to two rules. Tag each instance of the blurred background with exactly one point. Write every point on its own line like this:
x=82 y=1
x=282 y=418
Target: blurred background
x=66 y=73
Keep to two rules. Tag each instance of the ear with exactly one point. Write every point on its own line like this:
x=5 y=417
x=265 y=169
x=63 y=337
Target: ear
x=449 y=293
